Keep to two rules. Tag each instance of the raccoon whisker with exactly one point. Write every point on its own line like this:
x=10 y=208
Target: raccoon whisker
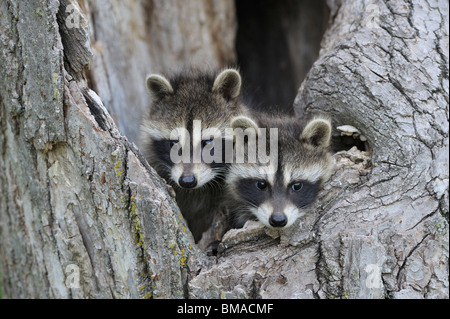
x=215 y=185
x=211 y=185
x=158 y=167
x=217 y=180
x=219 y=175
x=241 y=209
x=240 y=215
x=253 y=205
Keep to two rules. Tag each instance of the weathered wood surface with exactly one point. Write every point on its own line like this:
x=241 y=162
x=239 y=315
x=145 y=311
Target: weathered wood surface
x=385 y=72
x=82 y=214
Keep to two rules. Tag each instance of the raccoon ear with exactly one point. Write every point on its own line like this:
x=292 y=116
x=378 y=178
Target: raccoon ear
x=228 y=83
x=243 y=122
x=158 y=86
x=317 y=133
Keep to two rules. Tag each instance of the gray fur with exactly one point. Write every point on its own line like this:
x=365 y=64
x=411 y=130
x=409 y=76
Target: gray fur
x=177 y=101
x=158 y=86
x=302 y=150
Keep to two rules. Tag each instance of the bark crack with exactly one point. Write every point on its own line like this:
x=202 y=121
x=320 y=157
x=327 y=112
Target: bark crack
x=400 y=275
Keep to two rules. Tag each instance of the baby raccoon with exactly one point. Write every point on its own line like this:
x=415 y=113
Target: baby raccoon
x=184 y=125
x=277 y=193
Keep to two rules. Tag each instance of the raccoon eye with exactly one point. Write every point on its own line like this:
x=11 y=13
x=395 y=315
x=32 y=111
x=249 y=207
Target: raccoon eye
x=206 y=142
x=297 y=186
x=262 y=185
x=172 y=143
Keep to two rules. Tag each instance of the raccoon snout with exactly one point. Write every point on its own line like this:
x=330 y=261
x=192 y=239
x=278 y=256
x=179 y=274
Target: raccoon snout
x=278 y=220
x=188 y=181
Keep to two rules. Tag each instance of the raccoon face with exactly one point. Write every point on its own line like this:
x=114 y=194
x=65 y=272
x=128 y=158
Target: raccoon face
x=186 y=175
x=278 y=196
x=277 y=205
x=186 y=121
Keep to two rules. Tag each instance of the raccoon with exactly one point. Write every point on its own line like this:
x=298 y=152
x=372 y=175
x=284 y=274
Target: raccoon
x=180 y=104
x=278 y=193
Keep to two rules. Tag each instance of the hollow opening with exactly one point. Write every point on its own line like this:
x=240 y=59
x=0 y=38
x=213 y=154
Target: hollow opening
x=346 y=137
x=345 y=143
x=277 y=42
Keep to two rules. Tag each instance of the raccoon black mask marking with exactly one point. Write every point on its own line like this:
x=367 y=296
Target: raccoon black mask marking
x=277 y=193
x=180 y=104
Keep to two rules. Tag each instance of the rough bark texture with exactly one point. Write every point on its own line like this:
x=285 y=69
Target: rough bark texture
x=82 y=215
x=385 y=72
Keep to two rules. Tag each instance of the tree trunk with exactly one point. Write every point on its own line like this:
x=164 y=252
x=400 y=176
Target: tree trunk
x=82 y=215
x=385 y=72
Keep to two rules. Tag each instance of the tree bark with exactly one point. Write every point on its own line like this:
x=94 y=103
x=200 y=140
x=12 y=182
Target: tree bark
x=82 y=215
x=385 y=72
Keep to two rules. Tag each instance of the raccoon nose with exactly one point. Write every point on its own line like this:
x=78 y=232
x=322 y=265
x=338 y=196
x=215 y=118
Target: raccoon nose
x=187 y=181
x=278 y=220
